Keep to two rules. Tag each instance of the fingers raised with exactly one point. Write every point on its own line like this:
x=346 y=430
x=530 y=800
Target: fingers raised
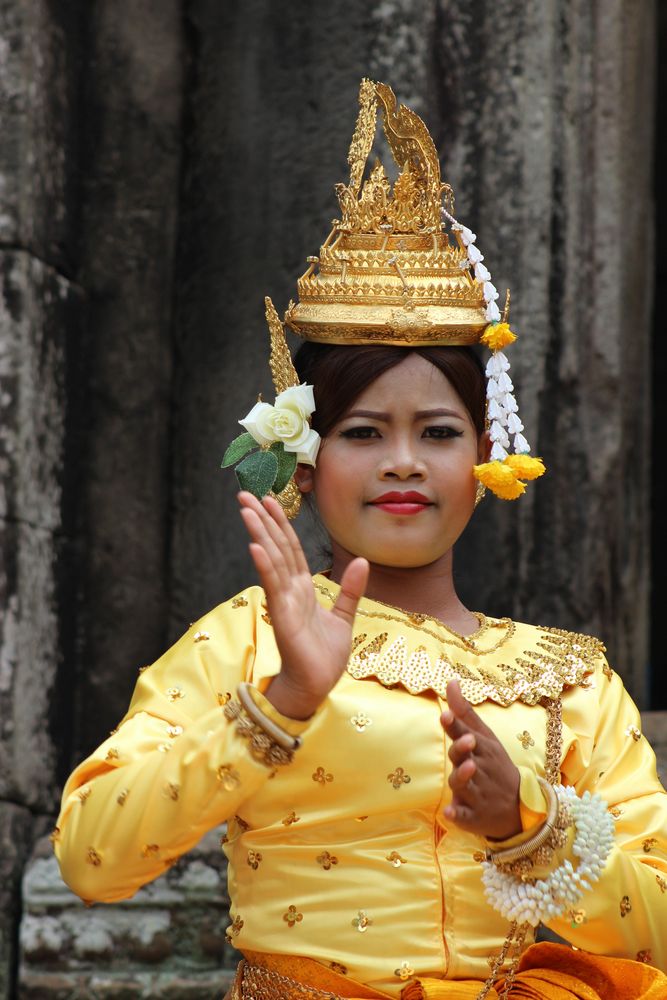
x=352 y=586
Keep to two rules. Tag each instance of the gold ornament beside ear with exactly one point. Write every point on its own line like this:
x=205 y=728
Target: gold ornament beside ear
x=284 y=375
x=480 y=493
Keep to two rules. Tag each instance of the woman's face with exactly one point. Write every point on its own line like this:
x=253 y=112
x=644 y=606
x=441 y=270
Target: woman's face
x=393 y=480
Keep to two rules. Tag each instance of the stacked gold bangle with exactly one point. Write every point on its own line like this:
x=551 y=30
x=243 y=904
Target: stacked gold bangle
x=268 y=742
x=540 y=848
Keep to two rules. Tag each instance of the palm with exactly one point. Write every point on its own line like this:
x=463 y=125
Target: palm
x=314 y=643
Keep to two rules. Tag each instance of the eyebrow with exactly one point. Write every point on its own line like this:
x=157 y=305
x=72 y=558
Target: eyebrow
x=419 y=415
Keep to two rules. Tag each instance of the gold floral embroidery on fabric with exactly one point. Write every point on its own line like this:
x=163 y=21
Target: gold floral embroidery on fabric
x=374 y=646
x=525 y=739
x=558 y=658
x=357 y=640
x=290 y=818
x=201 y=637
x=398 y=778
x=337 y=967
x=254 y=859
x=224 y=698
x=662 y=883
x=84 y=794
x=404 y=971
x=174 y=693
x=171 y=791
x=626 y=906
x=362 y=921
x=164 y=747
x=615 y=811
x=93 y=858
x=54 y=836
x=649 y=844
x=322 y=776
x=634 y=732
x=122 y=796
x=326 y=860
x=292 y=916
x=266 y=617
x=174 y=731
x=150 y=850
x=577 y=918
x=607 y=671
x=396 y=860
x=235 y=929
x=239 y=602
x=645 y=956
x=112 y=754
x=228 y=777
x=360 y=721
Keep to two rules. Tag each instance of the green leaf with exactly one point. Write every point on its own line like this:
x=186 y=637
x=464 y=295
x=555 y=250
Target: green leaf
x=286 y=466
x=257 y=473
x=239 y=447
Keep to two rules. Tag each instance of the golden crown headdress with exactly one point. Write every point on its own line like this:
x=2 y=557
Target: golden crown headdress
x=388 y=273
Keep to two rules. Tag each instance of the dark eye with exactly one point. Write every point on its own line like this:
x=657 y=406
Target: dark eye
x=440 y=433
x=360 y=433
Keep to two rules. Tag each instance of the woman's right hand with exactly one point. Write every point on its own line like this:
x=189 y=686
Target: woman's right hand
x=314 y=643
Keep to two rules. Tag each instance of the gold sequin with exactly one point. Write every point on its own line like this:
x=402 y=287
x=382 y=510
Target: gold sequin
x=224 y=698
x=54 y=836
x=174 y=731
x=174 y=693
x=201 y=637
x=360 y=721
x=616 y=811
x=525 y=739
x=292 y=916
x=645 y=956
x=122 y=796
x=396 y=859
x=326 y=860
x=150 y=850
x=625 y=906
x=404 y=971
x=649 y=844
x=479 y=856
x=93 y=858
x=254 y=858
x=239 y=602
x=398 y=778
x=662 y=883
x=84 y=794
x=235 y=928
x=322 y=776
x=577 y=917
x=634 y=732
x=374 y=646
x=290 y=818
x=266 y=617
x=228 y=777
x=171 y=790
x=112 y=754
x=362 y=921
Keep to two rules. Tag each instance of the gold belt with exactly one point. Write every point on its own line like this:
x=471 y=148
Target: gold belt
x=255 y=983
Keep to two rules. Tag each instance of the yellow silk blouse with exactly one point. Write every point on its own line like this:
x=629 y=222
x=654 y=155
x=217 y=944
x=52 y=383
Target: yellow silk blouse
x=343 y=855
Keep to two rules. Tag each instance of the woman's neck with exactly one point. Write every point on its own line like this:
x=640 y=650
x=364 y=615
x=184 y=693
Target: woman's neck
x=427 y=590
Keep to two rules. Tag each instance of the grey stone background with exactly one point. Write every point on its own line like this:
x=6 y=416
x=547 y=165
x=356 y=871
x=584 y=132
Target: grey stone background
x=165 y=164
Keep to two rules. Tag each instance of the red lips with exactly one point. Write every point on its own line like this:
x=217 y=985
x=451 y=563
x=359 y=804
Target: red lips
x=399 y=497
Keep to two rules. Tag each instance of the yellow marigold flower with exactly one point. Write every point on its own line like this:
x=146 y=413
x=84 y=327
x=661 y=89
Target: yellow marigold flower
x=498 y=335
x=500 y=479
x=525 y=466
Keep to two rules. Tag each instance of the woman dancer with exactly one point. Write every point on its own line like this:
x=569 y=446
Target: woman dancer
x=410 y=787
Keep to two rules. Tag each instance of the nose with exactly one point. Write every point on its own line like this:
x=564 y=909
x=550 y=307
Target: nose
x=402 y=462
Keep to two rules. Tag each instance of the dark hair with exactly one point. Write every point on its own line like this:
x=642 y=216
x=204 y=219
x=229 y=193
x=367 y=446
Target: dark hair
x=340 y=374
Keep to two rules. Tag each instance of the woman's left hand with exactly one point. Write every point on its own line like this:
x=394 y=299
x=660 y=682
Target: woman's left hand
x=484 y=781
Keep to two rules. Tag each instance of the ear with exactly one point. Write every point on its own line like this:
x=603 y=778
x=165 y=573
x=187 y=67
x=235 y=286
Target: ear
x=483 y=448
x=303 y=477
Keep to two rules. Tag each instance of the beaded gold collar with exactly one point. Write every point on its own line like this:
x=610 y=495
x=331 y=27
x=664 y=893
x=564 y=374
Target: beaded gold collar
x=532 y=662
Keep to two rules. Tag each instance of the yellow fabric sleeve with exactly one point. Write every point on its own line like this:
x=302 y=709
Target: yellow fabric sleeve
x=174 y=768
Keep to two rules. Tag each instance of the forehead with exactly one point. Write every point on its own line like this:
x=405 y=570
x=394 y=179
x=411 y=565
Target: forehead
x=413 y=384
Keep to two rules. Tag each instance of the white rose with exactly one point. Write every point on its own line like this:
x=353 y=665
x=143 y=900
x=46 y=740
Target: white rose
x=287 y=421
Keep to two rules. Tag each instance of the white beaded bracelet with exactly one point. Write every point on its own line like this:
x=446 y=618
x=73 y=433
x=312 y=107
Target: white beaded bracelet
x=534 y=900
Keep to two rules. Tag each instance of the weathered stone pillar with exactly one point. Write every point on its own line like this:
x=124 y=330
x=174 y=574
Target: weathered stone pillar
x=40 y=315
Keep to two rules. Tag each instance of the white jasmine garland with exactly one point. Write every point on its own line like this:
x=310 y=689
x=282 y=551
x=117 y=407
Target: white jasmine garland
x=532 y=901
x=286 y=421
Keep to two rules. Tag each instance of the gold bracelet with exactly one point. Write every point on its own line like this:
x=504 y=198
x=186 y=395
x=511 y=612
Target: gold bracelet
x=540 y=848
x=268 y=742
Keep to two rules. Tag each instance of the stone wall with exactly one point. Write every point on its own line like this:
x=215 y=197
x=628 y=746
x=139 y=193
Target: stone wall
x=159 y=174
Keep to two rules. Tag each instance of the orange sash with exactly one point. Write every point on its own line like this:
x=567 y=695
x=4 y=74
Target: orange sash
x=545 y=972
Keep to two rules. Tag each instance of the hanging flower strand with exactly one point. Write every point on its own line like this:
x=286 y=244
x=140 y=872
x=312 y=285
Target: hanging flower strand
x=510 y=463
